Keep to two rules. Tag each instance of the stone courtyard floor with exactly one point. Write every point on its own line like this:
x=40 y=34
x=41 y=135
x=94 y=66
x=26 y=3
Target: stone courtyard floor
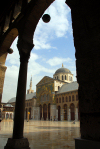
x=44 y=134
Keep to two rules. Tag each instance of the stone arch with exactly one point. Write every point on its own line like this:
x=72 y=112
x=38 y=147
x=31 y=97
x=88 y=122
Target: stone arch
x=6 y=43
x=72 y=111
x=33 y=16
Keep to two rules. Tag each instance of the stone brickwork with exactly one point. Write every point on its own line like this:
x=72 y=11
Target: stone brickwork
x=2 y=76
x=86 y=32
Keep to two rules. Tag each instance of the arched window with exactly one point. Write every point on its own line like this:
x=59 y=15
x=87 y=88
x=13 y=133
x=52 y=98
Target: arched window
x=73 y=98
x=66 y=99
x=62 y=77
x=62 y=99
x=69 y=98
x=65 y=77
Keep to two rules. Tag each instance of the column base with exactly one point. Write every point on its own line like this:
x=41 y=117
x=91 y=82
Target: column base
x=86 y=144
x=17 y=144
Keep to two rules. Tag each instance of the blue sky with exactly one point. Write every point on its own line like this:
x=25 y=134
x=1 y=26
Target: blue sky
x=53 y=46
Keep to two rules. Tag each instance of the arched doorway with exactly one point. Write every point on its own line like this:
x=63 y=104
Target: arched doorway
x=58 y=113
x=44 y=111
x=49 y=111
x=30 y=113
x=65 y=111
x=40 y=112
x=72 y=111
x=11 y=116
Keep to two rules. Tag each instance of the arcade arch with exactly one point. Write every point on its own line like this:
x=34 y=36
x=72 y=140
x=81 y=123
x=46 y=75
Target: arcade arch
x=86 y=37
x=44 y=111
x=72 y=111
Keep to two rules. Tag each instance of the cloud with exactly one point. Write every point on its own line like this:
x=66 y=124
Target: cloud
x=56 y=61
x=35 y=68
x=57 y=27
x=11 y=76
x=45 y=32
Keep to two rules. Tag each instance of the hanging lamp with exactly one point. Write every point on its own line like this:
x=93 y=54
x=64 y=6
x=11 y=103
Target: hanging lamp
x=46 y=18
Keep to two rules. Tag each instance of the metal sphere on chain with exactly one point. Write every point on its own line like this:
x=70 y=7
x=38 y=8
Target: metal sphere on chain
x=46 y=18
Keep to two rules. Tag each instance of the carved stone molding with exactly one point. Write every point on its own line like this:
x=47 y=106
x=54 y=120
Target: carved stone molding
x=24 y=48
x=3 y=68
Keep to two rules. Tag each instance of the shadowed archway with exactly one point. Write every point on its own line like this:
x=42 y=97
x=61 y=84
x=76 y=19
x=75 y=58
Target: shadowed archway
x=72 y=111
x=45 y=111
x=59 y=112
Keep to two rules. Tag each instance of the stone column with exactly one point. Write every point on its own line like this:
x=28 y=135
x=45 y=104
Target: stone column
x=86 y=32
x=9 y=115
x=69 y=117
x=62 y=114
x=2 y=77
x=17 y=140
x=76 y=114
x=53 y=112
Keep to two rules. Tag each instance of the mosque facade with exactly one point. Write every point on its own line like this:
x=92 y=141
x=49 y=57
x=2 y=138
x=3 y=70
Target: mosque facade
x=55 y=98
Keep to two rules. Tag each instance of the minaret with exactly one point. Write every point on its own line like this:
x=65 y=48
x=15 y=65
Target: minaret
x=30 y=90
x=62 y=65
x=31 y=83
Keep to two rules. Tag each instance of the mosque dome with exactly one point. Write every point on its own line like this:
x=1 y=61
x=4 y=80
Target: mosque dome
x=62 y=70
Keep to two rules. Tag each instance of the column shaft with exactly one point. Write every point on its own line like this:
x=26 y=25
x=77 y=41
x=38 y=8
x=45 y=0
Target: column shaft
x=42 y=112
x=20 y=102
x=76 y=114
x=69 y=117
x=47 y=111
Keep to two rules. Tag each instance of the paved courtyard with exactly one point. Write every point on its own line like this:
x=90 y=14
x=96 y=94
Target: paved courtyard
x=44 y=134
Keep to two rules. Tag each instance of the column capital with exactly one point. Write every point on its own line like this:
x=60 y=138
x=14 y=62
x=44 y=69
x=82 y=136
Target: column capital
x=3 y=68
x=24 y=48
